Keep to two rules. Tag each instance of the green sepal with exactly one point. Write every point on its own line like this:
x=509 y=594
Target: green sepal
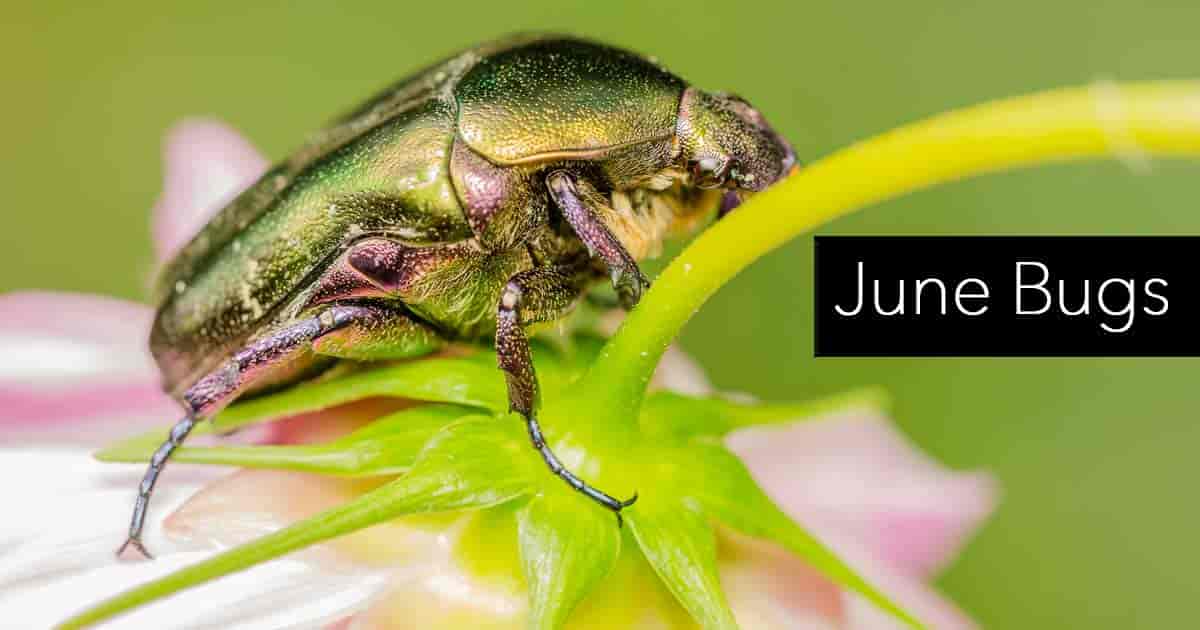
x=386 y=446
x=722 y=485
x=678 y=541
x=567 y=547
x=476 y=461
x=448 y=475
x=458 y=380
x=471 y=381
x=671 y=416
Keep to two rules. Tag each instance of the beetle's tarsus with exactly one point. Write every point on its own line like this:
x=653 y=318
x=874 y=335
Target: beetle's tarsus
x=583 y=487
x=158 y=460
x=622 y=505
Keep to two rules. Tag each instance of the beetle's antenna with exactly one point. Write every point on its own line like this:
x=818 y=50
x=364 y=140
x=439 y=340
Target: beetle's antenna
x=179 y=432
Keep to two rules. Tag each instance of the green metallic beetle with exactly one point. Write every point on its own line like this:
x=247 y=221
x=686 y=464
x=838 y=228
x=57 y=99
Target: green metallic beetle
x=483 y=194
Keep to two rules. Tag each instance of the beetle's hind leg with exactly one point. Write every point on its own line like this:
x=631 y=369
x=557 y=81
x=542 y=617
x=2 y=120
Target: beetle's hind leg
x=333 y=330
x=532 y=296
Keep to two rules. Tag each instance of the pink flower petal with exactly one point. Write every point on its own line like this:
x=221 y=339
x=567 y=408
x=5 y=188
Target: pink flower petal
x=67 y=358
x=769 y=588
x=679 y=372
x=852 y=474
x=908 y=591
x=207 y=164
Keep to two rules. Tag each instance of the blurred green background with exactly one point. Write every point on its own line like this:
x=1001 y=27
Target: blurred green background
x=1097 y=457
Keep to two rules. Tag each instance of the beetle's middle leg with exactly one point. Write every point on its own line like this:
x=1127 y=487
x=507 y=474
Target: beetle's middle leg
x=577 y=200
x=538 y=295
x=335 y=330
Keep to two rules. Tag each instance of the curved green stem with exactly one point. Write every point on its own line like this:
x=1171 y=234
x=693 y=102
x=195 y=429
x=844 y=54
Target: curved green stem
x=1128 y=121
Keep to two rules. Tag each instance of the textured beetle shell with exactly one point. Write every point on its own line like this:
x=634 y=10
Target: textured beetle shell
x=564 y=100
x=384 y=169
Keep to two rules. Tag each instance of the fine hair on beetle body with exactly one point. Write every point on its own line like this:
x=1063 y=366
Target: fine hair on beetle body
x=483 y=194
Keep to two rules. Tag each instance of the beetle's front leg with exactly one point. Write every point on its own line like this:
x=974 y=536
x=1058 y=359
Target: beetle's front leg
x=334 y=330
x=538 y=295
x=576 y=200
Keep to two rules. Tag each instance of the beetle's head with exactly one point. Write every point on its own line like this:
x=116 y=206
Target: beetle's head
x=727 y=144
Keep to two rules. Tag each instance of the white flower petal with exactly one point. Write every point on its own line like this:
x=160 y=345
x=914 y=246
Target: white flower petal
x=58 y=555
x=287 y=593
x=75 y=511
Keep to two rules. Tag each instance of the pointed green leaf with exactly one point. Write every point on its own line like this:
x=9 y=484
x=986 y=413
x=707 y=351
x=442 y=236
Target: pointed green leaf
x=384 y=447
x=462 y=380
x=567 y=547
x=476 y=462
x=469 y=464
x=472 y=380
x=669 y=415
x=720 y=482
x=679 y=543
x=322 y=458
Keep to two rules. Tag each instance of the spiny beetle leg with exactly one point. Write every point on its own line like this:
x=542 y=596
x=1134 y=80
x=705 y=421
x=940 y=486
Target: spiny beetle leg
x=282 y=347
x=533 y=296
x=575 y=199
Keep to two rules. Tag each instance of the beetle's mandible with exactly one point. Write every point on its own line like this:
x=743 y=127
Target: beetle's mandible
x=483 y=194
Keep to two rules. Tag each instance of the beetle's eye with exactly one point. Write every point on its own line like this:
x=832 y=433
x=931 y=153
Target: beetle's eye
x=733 y=176
x=708 y=173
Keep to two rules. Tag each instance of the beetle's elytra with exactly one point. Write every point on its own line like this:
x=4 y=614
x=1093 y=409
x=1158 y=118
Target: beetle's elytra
x=482 y=194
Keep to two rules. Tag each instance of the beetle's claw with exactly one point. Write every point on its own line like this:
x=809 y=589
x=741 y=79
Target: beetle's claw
x=621 y=505
x=630 y=287
x=135 y=546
